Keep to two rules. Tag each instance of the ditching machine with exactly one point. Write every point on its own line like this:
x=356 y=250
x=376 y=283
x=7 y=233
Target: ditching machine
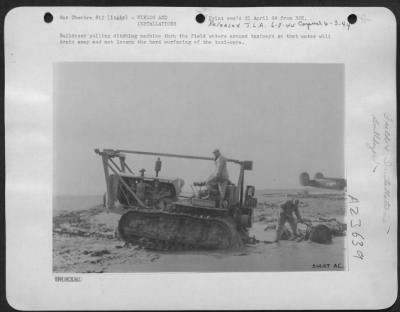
x=155 y=213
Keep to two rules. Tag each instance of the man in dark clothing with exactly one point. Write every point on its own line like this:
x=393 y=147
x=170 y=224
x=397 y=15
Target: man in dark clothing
x=287 y=210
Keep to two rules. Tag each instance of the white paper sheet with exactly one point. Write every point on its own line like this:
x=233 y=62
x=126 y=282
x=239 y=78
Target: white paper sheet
x=292 y=89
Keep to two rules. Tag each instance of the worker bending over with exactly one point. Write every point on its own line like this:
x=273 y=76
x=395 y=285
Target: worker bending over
x=289 y=209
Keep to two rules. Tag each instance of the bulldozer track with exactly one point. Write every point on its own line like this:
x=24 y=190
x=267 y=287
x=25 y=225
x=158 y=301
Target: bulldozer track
x=160 y=230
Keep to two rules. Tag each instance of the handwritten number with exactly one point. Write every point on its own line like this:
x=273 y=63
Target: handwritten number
x=355 y=221
x=359 y=255
x=354 y=225
x=355 y=234
x=354 y=212
x=357 y=243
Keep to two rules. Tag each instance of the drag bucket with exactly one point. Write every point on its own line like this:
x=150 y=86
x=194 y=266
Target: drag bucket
x=321 y=234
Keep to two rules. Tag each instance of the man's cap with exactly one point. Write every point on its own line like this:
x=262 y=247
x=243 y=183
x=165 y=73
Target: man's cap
x=216 y=150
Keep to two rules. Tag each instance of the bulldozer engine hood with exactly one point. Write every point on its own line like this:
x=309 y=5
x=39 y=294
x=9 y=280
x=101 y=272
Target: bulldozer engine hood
x=176 y=182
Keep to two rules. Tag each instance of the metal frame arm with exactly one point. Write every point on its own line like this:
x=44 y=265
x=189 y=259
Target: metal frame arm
x=169 y=155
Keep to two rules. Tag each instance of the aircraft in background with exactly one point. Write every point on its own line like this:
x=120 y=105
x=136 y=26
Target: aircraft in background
x=322 y=182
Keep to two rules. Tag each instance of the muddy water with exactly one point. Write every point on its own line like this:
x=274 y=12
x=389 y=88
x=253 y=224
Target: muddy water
x=84 y=242
x=282 y=256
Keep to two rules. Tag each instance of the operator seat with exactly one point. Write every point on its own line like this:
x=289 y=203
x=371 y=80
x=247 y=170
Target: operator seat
x=231 y=194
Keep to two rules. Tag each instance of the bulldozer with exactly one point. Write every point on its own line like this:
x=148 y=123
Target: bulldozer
x=155 y=212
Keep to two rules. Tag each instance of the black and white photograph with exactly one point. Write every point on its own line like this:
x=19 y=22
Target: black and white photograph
x=198 y=167
x=200 y=158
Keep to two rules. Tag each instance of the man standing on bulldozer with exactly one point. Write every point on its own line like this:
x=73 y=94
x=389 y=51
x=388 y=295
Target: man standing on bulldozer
x=220 y=178
x=289 y=208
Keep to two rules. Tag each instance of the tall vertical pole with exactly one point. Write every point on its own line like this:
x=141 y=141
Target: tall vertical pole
x=110 y=195
x=241 y=184
x=122 y=161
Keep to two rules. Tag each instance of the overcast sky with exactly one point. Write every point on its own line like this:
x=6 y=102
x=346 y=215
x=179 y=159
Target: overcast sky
x=287 y=118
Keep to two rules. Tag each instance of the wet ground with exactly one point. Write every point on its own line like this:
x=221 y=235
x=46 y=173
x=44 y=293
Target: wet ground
x=84 y=241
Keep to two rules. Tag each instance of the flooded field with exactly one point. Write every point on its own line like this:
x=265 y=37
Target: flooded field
x=85 y=241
